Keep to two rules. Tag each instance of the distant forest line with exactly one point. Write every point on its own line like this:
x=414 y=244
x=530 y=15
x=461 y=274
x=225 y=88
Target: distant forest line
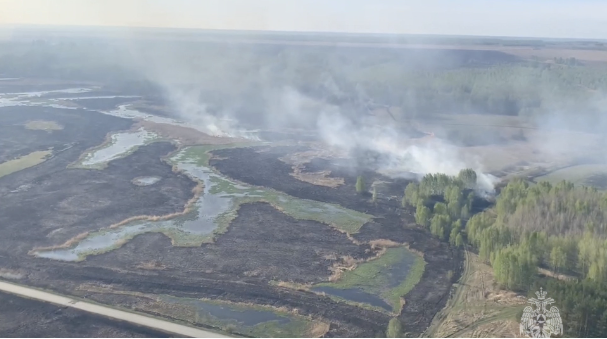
x=419 y=82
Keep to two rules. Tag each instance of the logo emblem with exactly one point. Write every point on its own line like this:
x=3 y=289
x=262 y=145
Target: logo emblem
x=541 y=322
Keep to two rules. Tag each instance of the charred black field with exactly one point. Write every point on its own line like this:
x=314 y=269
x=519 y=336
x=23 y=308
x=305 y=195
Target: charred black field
x=58 y=321
x=267 y=258
x=257 y=189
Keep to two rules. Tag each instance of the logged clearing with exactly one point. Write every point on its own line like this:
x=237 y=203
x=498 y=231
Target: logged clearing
x=43 y=125
x=478 y=308
x=23 y=162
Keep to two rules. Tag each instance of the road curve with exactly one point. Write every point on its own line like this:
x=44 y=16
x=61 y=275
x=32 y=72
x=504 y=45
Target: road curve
x=133 y=318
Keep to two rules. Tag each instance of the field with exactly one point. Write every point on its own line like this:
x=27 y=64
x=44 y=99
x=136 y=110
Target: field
x=108 y=195
x=477 y=308
x=157 y=226
x=588 y=175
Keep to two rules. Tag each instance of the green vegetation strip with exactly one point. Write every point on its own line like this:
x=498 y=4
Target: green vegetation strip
x=297 y=326
x=341 y=218
x=373 y=277
x=23 y=162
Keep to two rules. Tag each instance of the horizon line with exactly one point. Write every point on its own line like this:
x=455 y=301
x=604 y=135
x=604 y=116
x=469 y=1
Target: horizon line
x=270 y=31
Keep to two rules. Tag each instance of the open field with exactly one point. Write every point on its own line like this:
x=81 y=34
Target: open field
x=108 y=195
x=477 y=308
x=589 y=175
x=72 y=203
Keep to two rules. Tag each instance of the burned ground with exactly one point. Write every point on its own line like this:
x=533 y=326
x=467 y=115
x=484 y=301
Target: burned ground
x=26 y=318
x=391 y=222
x=262 y=244
x=81 y=130
x=61 y=203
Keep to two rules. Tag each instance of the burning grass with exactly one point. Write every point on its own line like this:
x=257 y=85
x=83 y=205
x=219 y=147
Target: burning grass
x=185 y=135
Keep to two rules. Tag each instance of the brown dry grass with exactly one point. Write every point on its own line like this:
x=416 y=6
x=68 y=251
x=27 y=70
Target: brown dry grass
x=383 y=243
x=478 y=306
x=319 y=329
x=298 y=160
x=292 y=285
x=347 y=263
x=69 y=243
x=185 y=135
x=151 y=265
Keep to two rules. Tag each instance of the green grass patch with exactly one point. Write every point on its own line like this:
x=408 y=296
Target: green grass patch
x=200 y=155
x=289 y=326
x=23 y=162
x=334 y=215
x=377 y=276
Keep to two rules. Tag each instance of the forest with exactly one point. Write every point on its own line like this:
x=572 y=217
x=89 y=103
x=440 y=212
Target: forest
x=559 y=227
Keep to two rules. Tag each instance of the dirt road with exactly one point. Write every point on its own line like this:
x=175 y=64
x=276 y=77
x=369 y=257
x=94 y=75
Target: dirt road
x=138 y=319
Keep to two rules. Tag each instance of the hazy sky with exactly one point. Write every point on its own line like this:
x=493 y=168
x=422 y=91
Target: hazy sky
x=538 y=18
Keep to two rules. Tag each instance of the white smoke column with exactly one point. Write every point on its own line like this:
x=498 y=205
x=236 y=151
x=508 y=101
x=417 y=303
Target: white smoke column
x=189 y=108
x=433 y=156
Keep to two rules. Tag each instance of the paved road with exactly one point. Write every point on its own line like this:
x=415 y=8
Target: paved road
x=134 y=318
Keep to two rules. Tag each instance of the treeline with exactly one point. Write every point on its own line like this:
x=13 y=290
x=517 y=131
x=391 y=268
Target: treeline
x=559 y=227
x=556 y=226
x=582 y=306
x=442 y=202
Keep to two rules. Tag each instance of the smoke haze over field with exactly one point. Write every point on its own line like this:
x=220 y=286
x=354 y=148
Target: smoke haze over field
x=203 y=91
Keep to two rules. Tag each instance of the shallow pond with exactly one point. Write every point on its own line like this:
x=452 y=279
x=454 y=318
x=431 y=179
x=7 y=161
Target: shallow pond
x=193 y=227
x=229 y=313
x=120 y=145
x=356 y=295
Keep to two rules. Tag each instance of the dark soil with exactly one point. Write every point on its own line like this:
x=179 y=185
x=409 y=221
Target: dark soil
x=262 y=244
x=61 y=203
x=392 y=222
x=26 y=318
x=81 y=129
